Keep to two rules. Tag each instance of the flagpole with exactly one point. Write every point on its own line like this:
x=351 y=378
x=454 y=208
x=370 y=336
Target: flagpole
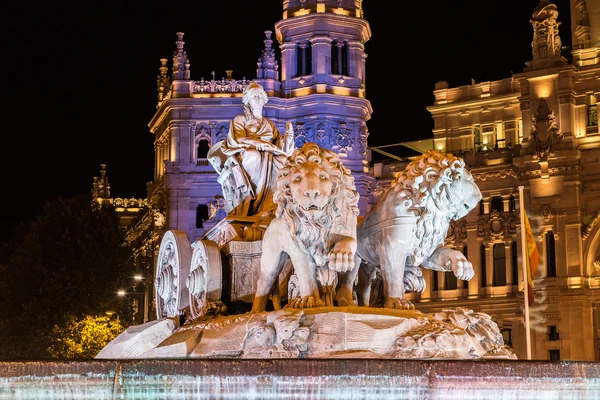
x=524 y=257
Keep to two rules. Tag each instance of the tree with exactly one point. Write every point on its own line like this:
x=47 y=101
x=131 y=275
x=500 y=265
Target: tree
x=69 y=261
x=83 y=338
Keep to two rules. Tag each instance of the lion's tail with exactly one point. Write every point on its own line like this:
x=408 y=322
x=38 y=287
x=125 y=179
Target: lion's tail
x=413 y=279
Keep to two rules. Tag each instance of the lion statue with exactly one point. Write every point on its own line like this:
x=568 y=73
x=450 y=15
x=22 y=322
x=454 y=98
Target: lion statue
x=407 y=227
x=314 y=225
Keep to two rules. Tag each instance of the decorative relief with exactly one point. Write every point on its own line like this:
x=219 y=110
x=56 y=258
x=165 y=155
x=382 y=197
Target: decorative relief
x=221 y=133
x=507 y=173
x=341 y=141
x=220 y=86
x=545 y=131
x=457 y=234
x=573 y=169
x=497 y=226
x=362 y=142
x=302 y=135
x=587 y=229
x=566 y=98
x=321 y=137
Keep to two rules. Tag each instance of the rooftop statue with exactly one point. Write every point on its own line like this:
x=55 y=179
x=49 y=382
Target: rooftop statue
x=248 y=160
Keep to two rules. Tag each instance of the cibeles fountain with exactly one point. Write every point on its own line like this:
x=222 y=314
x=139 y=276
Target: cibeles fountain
x=312 y=275
x=293 y=295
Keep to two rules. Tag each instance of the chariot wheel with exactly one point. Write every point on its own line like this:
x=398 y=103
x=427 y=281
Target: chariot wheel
x=172 y=269
x=205 y=279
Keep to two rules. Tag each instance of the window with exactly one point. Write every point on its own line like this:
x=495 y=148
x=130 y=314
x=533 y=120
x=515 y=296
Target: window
x=339 y=58
x=481 y=207
x=499 y=278
x=554 y=355
x=506 y=336
x=203 y=148
x=552 y=333
x=451 y=281
x=515 y=263
x=500 y=138
x=510 y=133
x=550 y=255
x=512 y=203
x=477 y=137
x=592 y=110
x=304 y=58
x=483 y=268
x=497 y=204
x=434 y=281
x=201 y=215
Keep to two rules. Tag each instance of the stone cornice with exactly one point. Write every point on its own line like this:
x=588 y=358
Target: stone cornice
x=458 y=105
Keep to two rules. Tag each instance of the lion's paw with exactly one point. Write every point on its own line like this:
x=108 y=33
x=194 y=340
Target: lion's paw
x=398 y=303
x=305 y=302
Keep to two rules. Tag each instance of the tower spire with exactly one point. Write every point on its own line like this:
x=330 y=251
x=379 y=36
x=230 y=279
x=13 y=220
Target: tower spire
x=268 y=67
x=101 y=188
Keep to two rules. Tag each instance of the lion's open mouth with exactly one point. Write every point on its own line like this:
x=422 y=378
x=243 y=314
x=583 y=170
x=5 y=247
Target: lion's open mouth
x=312 y=207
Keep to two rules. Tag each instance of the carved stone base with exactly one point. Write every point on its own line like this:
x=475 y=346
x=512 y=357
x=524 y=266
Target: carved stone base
x=245 y=256
x=332 y=332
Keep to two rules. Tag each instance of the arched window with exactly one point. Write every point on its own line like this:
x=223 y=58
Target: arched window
x=201 y=215
x=499 y=278
x=339 y=58
x=483 y=264
x=497 y=204
x=304 y=58
x=202 y=150
x=515 y=263
x=550 y=255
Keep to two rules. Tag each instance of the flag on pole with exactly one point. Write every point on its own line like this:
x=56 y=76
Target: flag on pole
x=533 y=259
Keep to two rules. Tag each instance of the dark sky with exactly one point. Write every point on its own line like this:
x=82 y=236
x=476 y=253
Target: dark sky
x=82 y=77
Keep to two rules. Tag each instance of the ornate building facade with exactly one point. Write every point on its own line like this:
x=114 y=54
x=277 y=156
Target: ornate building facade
x=537 y=128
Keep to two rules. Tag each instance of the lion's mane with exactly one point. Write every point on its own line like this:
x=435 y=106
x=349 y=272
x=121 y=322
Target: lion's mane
x=430 y=183
x=313 y=233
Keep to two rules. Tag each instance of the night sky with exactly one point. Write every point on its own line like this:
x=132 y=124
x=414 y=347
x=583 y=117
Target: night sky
x=82 y=77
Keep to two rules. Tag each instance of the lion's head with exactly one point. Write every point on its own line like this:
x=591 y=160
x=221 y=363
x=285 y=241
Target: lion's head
x=314 y=192
x=440 y=189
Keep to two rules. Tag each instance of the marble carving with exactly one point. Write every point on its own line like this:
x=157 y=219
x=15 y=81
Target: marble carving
x=305 y=237
x=406 y=229
x=315 y=226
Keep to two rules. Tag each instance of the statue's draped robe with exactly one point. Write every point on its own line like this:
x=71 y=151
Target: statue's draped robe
x=254 y=171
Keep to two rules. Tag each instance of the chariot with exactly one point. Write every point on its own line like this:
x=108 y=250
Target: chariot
x=219 y=269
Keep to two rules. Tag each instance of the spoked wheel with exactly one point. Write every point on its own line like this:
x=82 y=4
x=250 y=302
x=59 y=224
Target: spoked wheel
x=172 y=270
x=204 y=282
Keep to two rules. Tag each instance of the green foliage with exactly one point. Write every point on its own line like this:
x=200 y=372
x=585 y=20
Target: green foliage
x=83 y=338
x=69 y=261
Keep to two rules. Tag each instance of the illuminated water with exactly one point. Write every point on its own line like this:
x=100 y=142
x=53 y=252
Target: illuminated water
x=300 y=379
